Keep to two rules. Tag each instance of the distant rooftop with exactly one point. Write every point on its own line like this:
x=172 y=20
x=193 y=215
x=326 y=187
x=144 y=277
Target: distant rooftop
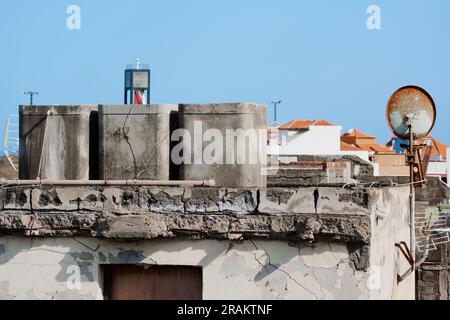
x=357 y=140
x=348 y=147
x=438 y=148
x=358 y=134
x=298 y=124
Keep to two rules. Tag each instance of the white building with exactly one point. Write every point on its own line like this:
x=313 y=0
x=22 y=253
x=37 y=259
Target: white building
x=438 y=163
x=310 y=137
x=350 y=150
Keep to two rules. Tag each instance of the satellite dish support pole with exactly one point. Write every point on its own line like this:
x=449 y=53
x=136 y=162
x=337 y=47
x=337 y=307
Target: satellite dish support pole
x=412 y=197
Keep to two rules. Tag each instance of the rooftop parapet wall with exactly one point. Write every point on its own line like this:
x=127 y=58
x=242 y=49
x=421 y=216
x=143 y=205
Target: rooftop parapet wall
x=303 y=170
x=308 y=214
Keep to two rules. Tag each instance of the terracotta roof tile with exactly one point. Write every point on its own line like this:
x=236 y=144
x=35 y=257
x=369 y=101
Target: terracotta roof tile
x=441 y=148
x=379 y=148
x=298 y=124
x=375 y=147
x=349 y=147
x=438 y=148
x=358 y=134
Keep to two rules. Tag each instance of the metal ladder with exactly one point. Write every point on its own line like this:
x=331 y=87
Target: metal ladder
x=11 y=141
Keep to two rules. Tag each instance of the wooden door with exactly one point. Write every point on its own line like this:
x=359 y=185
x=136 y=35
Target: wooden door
x=130 y=282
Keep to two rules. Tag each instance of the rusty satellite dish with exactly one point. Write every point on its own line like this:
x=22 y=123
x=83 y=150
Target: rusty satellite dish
x=411 y=107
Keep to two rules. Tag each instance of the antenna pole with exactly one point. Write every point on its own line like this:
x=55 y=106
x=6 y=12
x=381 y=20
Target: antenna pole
x=275 y=104
x=275 y=111
x=31 y=94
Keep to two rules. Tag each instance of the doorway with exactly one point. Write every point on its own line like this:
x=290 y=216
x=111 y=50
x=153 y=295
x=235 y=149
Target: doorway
x=132 y=282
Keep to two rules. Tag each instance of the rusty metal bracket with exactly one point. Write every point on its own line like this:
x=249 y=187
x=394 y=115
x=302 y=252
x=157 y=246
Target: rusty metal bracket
x=404 y=249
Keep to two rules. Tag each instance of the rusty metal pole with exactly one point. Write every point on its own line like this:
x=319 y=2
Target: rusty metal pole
x=412 y=107
x=412 y=196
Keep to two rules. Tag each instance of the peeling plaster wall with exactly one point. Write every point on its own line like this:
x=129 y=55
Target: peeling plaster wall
x=390 y=225
x=42 y=268
x=323 y=242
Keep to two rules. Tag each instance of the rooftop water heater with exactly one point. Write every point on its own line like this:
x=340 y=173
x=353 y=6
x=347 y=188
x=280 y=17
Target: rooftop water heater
x=137 y=84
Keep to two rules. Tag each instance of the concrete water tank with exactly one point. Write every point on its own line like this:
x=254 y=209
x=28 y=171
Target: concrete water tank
x=135 y=141
x=55 y=142
x=226 y=142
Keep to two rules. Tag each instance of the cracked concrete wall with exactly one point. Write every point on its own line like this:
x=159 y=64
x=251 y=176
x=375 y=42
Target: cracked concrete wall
x=359 y=225
x=44 y=268
x=134 y=141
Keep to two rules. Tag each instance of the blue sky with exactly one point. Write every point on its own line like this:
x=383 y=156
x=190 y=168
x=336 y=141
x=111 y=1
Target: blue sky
x=317 y=56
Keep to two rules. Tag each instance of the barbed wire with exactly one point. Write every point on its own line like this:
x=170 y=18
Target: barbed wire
x=380 y=184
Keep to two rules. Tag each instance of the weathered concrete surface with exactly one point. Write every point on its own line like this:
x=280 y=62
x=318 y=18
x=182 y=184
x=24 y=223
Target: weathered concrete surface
x=151 y=226
x=390 y=225
x=243 y=119
x=433 y=283
x=135 y=141
x=359 y=167
x=433 y=194
x=433 y=278
x=309 y=170
x=158 y=212
x=71 y=268
x=282 y=243
x=54 y=142
x=283 y=176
